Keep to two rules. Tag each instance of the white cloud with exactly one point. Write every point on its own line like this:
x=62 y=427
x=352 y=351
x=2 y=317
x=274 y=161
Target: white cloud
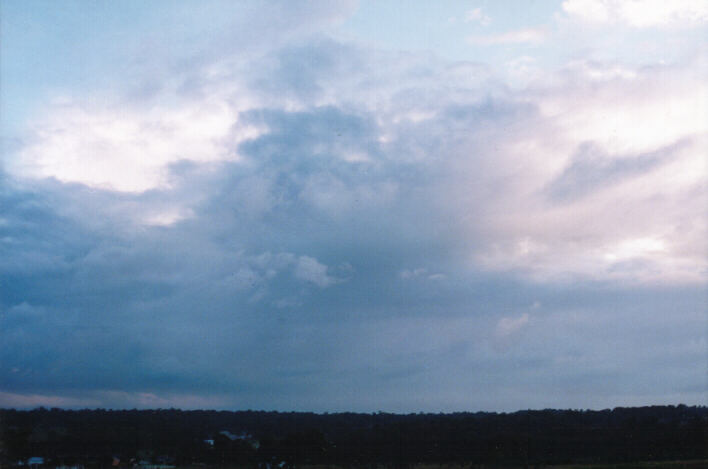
x=651 y=125
x=310 y=270
x=257 y=270
x=167 y=217
x=420 y=272
x=526 y=35
x=639 y=13
x=129 y=148
x=476 y=15
x=634 y=248
x=630 y=112
x=508 y=326
x=408 y=273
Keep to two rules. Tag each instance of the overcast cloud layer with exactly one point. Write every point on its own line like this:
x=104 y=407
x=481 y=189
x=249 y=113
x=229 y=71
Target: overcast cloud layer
x=259 y=207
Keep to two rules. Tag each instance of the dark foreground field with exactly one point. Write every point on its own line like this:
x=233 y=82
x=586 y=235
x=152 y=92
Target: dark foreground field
x=658 y=437
x=700 y=464
x=697 y=464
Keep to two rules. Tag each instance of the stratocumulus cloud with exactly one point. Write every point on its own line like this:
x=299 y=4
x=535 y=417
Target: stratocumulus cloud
x=639 y=13
x=310 y=221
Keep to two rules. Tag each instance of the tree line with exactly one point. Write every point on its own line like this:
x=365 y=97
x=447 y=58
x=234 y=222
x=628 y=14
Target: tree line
x=177 y=437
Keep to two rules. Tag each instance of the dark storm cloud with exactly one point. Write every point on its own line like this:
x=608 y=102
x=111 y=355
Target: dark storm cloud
x=213 y=305
x=331 y=265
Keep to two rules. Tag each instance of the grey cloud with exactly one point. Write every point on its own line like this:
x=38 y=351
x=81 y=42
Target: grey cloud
x=310 y=270
x=282 y=288
x=591 y=170
x=237 y=32
x=302 y=72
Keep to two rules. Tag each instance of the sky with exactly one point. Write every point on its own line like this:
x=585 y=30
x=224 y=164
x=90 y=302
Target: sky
x=353 y=206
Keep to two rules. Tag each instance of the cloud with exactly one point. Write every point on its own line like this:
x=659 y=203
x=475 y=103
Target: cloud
x=406 y=273
x=639 y=13
x=420 y=272
x=508 y=326
x=629 y=165
x=476 y=15
x=32 y=401
x=591 y=169
x=526 y=35
x=493 y=170
x=122 y=149
x=111 y=399
x=263 y=210
x=308 y=269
